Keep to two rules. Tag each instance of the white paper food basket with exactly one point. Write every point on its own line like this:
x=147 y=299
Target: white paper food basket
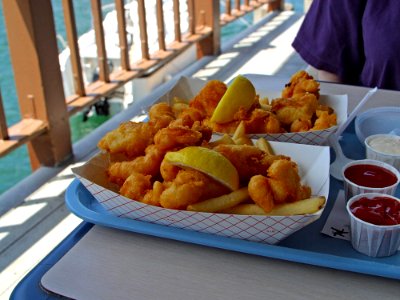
x=313 y=163
x=186 y=88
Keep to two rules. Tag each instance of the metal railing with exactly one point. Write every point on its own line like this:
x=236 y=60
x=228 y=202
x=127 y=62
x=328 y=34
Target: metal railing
x=45 y=111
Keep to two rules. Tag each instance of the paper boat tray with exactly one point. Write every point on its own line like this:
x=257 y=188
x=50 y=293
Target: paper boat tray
x=313 y=163
x=186 y=88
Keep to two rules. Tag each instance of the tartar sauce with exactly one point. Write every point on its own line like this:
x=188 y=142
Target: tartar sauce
x=386 y=144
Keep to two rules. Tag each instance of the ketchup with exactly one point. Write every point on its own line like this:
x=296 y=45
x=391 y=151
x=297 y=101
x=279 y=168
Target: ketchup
x=370 y=176
x=379 y=210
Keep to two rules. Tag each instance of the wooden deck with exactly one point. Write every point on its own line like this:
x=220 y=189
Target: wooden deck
x=30 y=230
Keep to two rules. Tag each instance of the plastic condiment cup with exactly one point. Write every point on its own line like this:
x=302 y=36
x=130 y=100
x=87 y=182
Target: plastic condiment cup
x=370 y=239
x=351 y=188
x=373 y=153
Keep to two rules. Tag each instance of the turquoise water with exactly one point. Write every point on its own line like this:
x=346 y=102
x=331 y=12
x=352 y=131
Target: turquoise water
x=16 y=166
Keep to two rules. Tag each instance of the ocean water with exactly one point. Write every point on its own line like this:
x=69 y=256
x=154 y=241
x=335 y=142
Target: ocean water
x=16 y=166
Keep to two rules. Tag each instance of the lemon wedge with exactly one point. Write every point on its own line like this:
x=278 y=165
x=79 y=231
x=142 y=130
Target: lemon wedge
x=207 y=161
x=240 y=93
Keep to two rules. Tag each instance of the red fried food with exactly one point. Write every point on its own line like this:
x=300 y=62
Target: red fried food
x=207 y=99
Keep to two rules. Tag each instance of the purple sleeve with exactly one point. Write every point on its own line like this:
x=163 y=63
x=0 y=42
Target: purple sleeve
x=330 y=38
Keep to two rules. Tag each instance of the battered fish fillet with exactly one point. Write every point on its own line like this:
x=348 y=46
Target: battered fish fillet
x=248 y=160
x=166 y=139
x=188 y=117
x=190 y=186
x=324 y=120
x=148 y=164
x=161 y=115
x=301 y=83
x=152 y=197
x=170 y=138
x=300 y=126
x=136 y=186
x=261 y=193
x=262 y=121
x=289 y=110
x=130 y=138
x=207 y=99
x=168 y=171
x=284 y=180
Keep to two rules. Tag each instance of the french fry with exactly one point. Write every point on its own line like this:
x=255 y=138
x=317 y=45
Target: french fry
x=225 y=140
x=240 y=131
x=264 y=103
x=244 y=140
x=245 y=209
x=265 y=146
x=240 y=137
x=221 y=203
x=302 y=207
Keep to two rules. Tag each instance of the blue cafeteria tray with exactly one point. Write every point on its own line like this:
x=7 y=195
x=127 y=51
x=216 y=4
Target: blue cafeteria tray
x=307 y=245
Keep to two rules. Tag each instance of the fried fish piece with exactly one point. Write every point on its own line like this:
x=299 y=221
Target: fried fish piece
x=177 y=137
x=130 y=138
x=136 y=186
x=289 y=110
x=190 y=186
x=284 y=180
x=261 y=192
x=209 y=96
x=301 y=83
x=148 y=164
x=324 y=120
x=248 y=160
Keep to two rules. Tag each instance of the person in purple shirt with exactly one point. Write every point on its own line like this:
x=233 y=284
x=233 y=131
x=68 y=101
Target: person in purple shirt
x=353 y=41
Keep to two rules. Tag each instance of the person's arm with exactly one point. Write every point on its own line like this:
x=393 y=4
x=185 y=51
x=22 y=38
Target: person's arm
x=325 y=76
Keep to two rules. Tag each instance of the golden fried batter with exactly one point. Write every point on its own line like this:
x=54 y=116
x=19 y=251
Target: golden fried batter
x=301 y=83
x=261 y=193
x=324 y=120
x=136 y=186
x=289 y=110
x=130 y=138
x=207 y=99
x=190 y=186
x=248 y=160
x=284 y=180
